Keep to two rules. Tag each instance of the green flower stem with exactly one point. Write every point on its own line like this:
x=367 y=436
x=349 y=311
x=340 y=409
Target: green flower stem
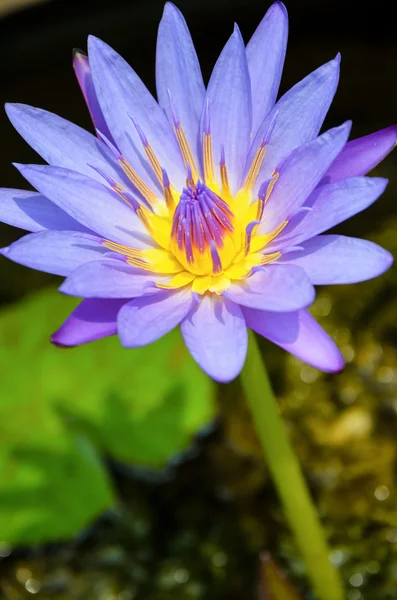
x=299 y=509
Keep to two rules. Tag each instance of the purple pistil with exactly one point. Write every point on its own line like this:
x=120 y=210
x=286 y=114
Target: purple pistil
x=201 y=221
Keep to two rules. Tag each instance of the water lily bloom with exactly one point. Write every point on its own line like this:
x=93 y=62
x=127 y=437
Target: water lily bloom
x=204 y=209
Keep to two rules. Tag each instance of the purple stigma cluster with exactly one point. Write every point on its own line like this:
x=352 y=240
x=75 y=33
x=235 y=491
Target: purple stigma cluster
x=200 y=222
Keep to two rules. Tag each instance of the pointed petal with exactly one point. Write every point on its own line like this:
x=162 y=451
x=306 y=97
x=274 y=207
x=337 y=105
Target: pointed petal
x=33 y=212
x=276 y=288
x=89 y=202
x=298 y=333
x=362 y=155
x=216 y=336
x=121 y=94
x=230 y=108
x=300 y=174
x=299 y=116
x=61 y=143
x=331 y=259
x=56 y=252
x=178 y=73
x=265 y=55
x=109 y=278
x=145 y=320
x=92 y=320
x=82 y=70
x=330 y=204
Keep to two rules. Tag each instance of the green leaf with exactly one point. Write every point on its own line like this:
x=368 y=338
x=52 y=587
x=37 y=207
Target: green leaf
x=50 y=488
x=60 y=407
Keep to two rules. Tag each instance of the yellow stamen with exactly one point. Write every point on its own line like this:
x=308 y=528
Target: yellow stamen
x=169 y=199
x=261 y=204
x=158 y=261
x=260 y=241
x=272 y=183
x=140 y=264
x=268 y=258
x=255 y=168
x=119 y=190
x=209 y=170
x=126 y=250
x=130 y=253
x=144 y=220
x=226 y=194
x=137 y=181
x=248 y=238
x=186 y=151
x=154 y=162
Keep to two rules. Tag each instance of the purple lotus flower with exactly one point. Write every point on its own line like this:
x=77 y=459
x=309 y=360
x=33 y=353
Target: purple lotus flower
x=203 y=209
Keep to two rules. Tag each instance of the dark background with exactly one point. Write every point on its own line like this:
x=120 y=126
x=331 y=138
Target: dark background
x=36 y=45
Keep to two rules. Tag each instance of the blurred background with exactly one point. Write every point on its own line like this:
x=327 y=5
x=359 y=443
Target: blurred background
x=128 y=475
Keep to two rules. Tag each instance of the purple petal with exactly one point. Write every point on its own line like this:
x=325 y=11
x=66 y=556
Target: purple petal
x=230 y=107
x=82 y=70
x=300 y=174
x=331 y=204
x=56 y=252
x=121 y=94
x=360 y=156
x=216 y=336
x=61 y=143
x=92 y=320
x=298 y=333
x=89 y=202
x=265 y=55
x=109 y=278
x=145 y=320
x=299 y=116
x=331 y=259
x=33 y=212
x=178 y=73
x=277 y=288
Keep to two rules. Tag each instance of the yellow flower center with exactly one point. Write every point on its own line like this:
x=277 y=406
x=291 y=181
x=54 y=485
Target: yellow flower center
x=206 y=237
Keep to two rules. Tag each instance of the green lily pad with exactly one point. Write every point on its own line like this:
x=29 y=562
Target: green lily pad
x=50 y=488
x=60 y=409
